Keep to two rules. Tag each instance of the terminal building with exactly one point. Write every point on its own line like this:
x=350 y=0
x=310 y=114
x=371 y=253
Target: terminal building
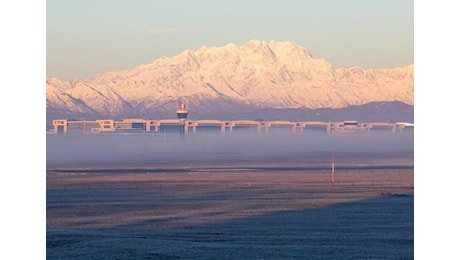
x=101 y=126
x=138 y=125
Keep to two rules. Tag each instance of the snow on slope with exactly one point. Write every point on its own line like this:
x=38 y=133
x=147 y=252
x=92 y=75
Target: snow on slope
x=257 y=74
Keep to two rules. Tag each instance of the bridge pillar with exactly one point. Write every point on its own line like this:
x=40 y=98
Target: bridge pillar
x=267 y=126
x=156 y=125
x=230 y=126
x=193 y=125
x=222 y=128
x=60 y=126
x=301 y=127
x=185 y=128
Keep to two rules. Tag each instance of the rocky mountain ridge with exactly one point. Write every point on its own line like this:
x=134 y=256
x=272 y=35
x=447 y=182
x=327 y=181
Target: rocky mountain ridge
x=257 y=75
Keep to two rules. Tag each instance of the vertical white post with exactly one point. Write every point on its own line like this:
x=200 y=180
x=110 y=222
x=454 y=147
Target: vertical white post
x=332 y=171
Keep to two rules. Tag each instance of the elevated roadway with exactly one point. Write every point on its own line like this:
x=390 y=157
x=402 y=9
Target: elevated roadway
x=143 y=125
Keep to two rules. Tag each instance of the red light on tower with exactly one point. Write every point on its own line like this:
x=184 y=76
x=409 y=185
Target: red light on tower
x=181 y=111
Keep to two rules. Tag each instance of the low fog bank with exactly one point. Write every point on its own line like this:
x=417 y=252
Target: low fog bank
x=170 y=149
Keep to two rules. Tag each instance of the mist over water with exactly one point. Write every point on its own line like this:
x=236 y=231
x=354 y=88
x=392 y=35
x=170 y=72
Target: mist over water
x=215 y=213
x=242 y=146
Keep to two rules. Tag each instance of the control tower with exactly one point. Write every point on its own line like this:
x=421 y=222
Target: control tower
x=182 y=112
x=182 y=116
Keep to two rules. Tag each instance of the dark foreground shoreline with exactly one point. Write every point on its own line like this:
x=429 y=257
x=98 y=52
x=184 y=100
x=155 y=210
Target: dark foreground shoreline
x=379 y=228
x=238 y=212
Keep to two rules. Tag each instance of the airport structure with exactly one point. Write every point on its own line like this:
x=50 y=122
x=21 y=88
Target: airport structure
x=182 y=114
x=137 y=125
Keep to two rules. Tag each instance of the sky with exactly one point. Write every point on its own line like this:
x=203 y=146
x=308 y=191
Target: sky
x=88 y=37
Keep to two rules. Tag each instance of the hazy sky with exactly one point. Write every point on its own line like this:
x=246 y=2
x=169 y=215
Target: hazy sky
x=87 y=37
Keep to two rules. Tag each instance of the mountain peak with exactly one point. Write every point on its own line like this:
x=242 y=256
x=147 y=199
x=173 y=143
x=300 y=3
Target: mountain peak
x=255 y=43
x=258 y=73
x=257 y=51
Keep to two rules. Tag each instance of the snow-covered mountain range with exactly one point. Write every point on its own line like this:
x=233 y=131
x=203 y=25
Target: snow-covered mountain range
x=230 y=78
